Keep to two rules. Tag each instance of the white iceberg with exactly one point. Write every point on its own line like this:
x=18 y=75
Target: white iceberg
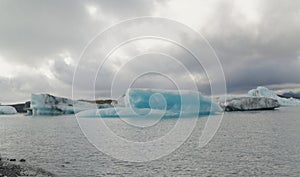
x=45 y=104
x=154 y=102
x=7 y=110
x=245 y=103
x=265 y=92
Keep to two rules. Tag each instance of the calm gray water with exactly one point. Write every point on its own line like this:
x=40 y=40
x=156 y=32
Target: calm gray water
x=262 y=143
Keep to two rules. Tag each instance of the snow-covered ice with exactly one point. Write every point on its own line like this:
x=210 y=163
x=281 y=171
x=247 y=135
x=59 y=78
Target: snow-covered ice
x=265 y=92
x=245 y=103
x=7 y=110
x=260 y=98
x=45 y=104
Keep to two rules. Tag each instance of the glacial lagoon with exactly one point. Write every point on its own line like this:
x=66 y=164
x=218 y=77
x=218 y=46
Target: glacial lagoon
x=257 y=143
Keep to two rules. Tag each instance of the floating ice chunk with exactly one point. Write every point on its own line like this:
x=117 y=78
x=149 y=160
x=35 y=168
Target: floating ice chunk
x=265 y=92
x=125 y=112
x=7 y=110
x=154 y=103
x=249 y=104
x=172 y=100
x=45 y=104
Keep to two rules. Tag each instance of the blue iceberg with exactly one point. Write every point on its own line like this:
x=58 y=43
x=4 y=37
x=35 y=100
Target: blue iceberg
x=124 y=112
x=154 y=102
x=171 y=100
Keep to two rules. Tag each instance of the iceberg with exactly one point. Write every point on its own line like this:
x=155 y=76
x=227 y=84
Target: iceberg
x=154 y=102
x=265 y=92
x=249 y=104
x=125 y=112
x=45 y=104
x=171 y=100
x=7 y=110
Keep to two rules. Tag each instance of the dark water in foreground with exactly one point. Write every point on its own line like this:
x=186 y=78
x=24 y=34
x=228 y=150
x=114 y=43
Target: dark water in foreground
x=263 y=143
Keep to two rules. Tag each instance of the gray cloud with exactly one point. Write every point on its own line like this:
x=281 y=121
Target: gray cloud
x=34 y=30
x=265 y=51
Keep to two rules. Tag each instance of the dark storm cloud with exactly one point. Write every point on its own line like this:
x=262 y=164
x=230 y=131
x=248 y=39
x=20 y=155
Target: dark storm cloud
x=264 y=50
x=263 y=53
x=34 y=30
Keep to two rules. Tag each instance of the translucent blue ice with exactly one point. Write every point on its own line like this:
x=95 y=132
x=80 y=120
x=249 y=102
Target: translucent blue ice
x=162 y=103
x=171 y=100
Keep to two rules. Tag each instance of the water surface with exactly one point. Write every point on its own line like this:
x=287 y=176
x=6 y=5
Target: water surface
x=260 y=143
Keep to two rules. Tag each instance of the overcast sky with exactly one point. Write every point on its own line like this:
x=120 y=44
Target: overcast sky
x=256 y=41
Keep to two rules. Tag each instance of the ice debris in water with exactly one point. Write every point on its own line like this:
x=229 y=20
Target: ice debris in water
x=45 y=104
x=7 y=110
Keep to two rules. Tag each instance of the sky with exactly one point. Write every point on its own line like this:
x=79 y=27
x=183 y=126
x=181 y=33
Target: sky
x=42 y=44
